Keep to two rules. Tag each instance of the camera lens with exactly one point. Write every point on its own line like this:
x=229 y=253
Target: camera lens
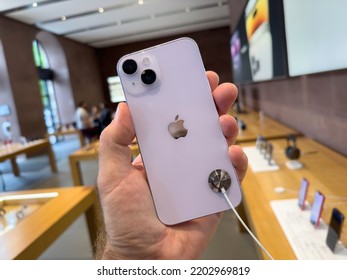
x=148 y=76
x=129 y=66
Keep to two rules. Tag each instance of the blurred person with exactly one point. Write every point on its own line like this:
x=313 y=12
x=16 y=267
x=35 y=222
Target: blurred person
x=84 y=123
x=82 y=116
x=95 y=116
x=105 y=116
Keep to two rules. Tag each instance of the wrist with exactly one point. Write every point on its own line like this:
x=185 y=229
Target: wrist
x=109 y=255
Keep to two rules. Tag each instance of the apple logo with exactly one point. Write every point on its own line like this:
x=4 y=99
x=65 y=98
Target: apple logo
x=177 y=129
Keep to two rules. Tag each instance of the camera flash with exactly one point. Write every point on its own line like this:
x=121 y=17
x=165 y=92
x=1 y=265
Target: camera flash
x=145 y=60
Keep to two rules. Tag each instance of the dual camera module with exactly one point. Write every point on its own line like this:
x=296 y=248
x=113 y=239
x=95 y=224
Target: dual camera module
x=148 y=76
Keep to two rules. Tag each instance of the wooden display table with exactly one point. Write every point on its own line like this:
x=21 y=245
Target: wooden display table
x=88 y=152
x=13 y=150
x=36 y=232
x=256 y=125
x=326 y=172
x=69 y=132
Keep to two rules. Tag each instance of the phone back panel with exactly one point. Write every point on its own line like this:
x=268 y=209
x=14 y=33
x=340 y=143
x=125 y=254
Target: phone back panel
x=178 y=169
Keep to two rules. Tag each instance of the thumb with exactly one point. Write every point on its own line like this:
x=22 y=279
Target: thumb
x=114 y=151
x=122 y=128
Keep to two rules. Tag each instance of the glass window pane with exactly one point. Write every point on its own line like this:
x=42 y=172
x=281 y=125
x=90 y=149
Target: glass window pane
x=50 y=112
x=115 y=89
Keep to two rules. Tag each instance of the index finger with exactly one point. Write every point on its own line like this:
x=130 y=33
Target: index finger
x=224 y=94
x=213 y=79
x=224 y=97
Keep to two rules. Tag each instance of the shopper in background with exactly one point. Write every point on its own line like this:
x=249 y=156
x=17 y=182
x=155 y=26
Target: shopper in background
x=132 y=228
x=85 y=123
x=105 y=116
x=95 y=115
x=82 y=117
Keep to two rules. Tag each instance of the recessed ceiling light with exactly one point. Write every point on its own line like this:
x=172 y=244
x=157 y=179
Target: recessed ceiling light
x=101 y=10
x=187 y=9
x=34 y=4
x=140 y=2
x=63 y=18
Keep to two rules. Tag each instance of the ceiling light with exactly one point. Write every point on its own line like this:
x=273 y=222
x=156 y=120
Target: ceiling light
x=140 y=2
x=187 y=9
x=63 y=18
x=101 y=10
x=119 y=22
x=34 y=4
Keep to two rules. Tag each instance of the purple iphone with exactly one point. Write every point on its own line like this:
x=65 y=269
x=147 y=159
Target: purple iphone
x=303 y=193
x=317 y=208
x=177 y=126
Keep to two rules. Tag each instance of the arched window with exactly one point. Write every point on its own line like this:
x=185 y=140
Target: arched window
x=46 y=75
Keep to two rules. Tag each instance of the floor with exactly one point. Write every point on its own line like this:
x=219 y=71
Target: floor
x=227 y=243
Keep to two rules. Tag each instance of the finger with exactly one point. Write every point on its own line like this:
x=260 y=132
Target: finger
x=123 y=129
x=230 y=128
x=224 y=96
x=239 y=160
x=114 y=153
x=213 y=79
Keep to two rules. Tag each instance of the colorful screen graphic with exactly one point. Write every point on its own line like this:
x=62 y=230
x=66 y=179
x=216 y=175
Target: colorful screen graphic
x=257 y=45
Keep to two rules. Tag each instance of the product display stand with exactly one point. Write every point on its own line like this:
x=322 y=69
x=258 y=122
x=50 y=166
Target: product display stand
x=258 y=162
x=308 y=242
x=33 y=219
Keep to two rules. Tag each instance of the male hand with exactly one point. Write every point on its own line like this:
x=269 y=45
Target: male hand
x=133 y=230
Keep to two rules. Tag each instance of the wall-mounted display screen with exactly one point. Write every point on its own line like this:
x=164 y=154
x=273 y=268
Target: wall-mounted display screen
x=257 y=45
x=316 y=35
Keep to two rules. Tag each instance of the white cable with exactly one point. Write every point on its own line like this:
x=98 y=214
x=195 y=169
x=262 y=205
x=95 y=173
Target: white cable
x=243 y=223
